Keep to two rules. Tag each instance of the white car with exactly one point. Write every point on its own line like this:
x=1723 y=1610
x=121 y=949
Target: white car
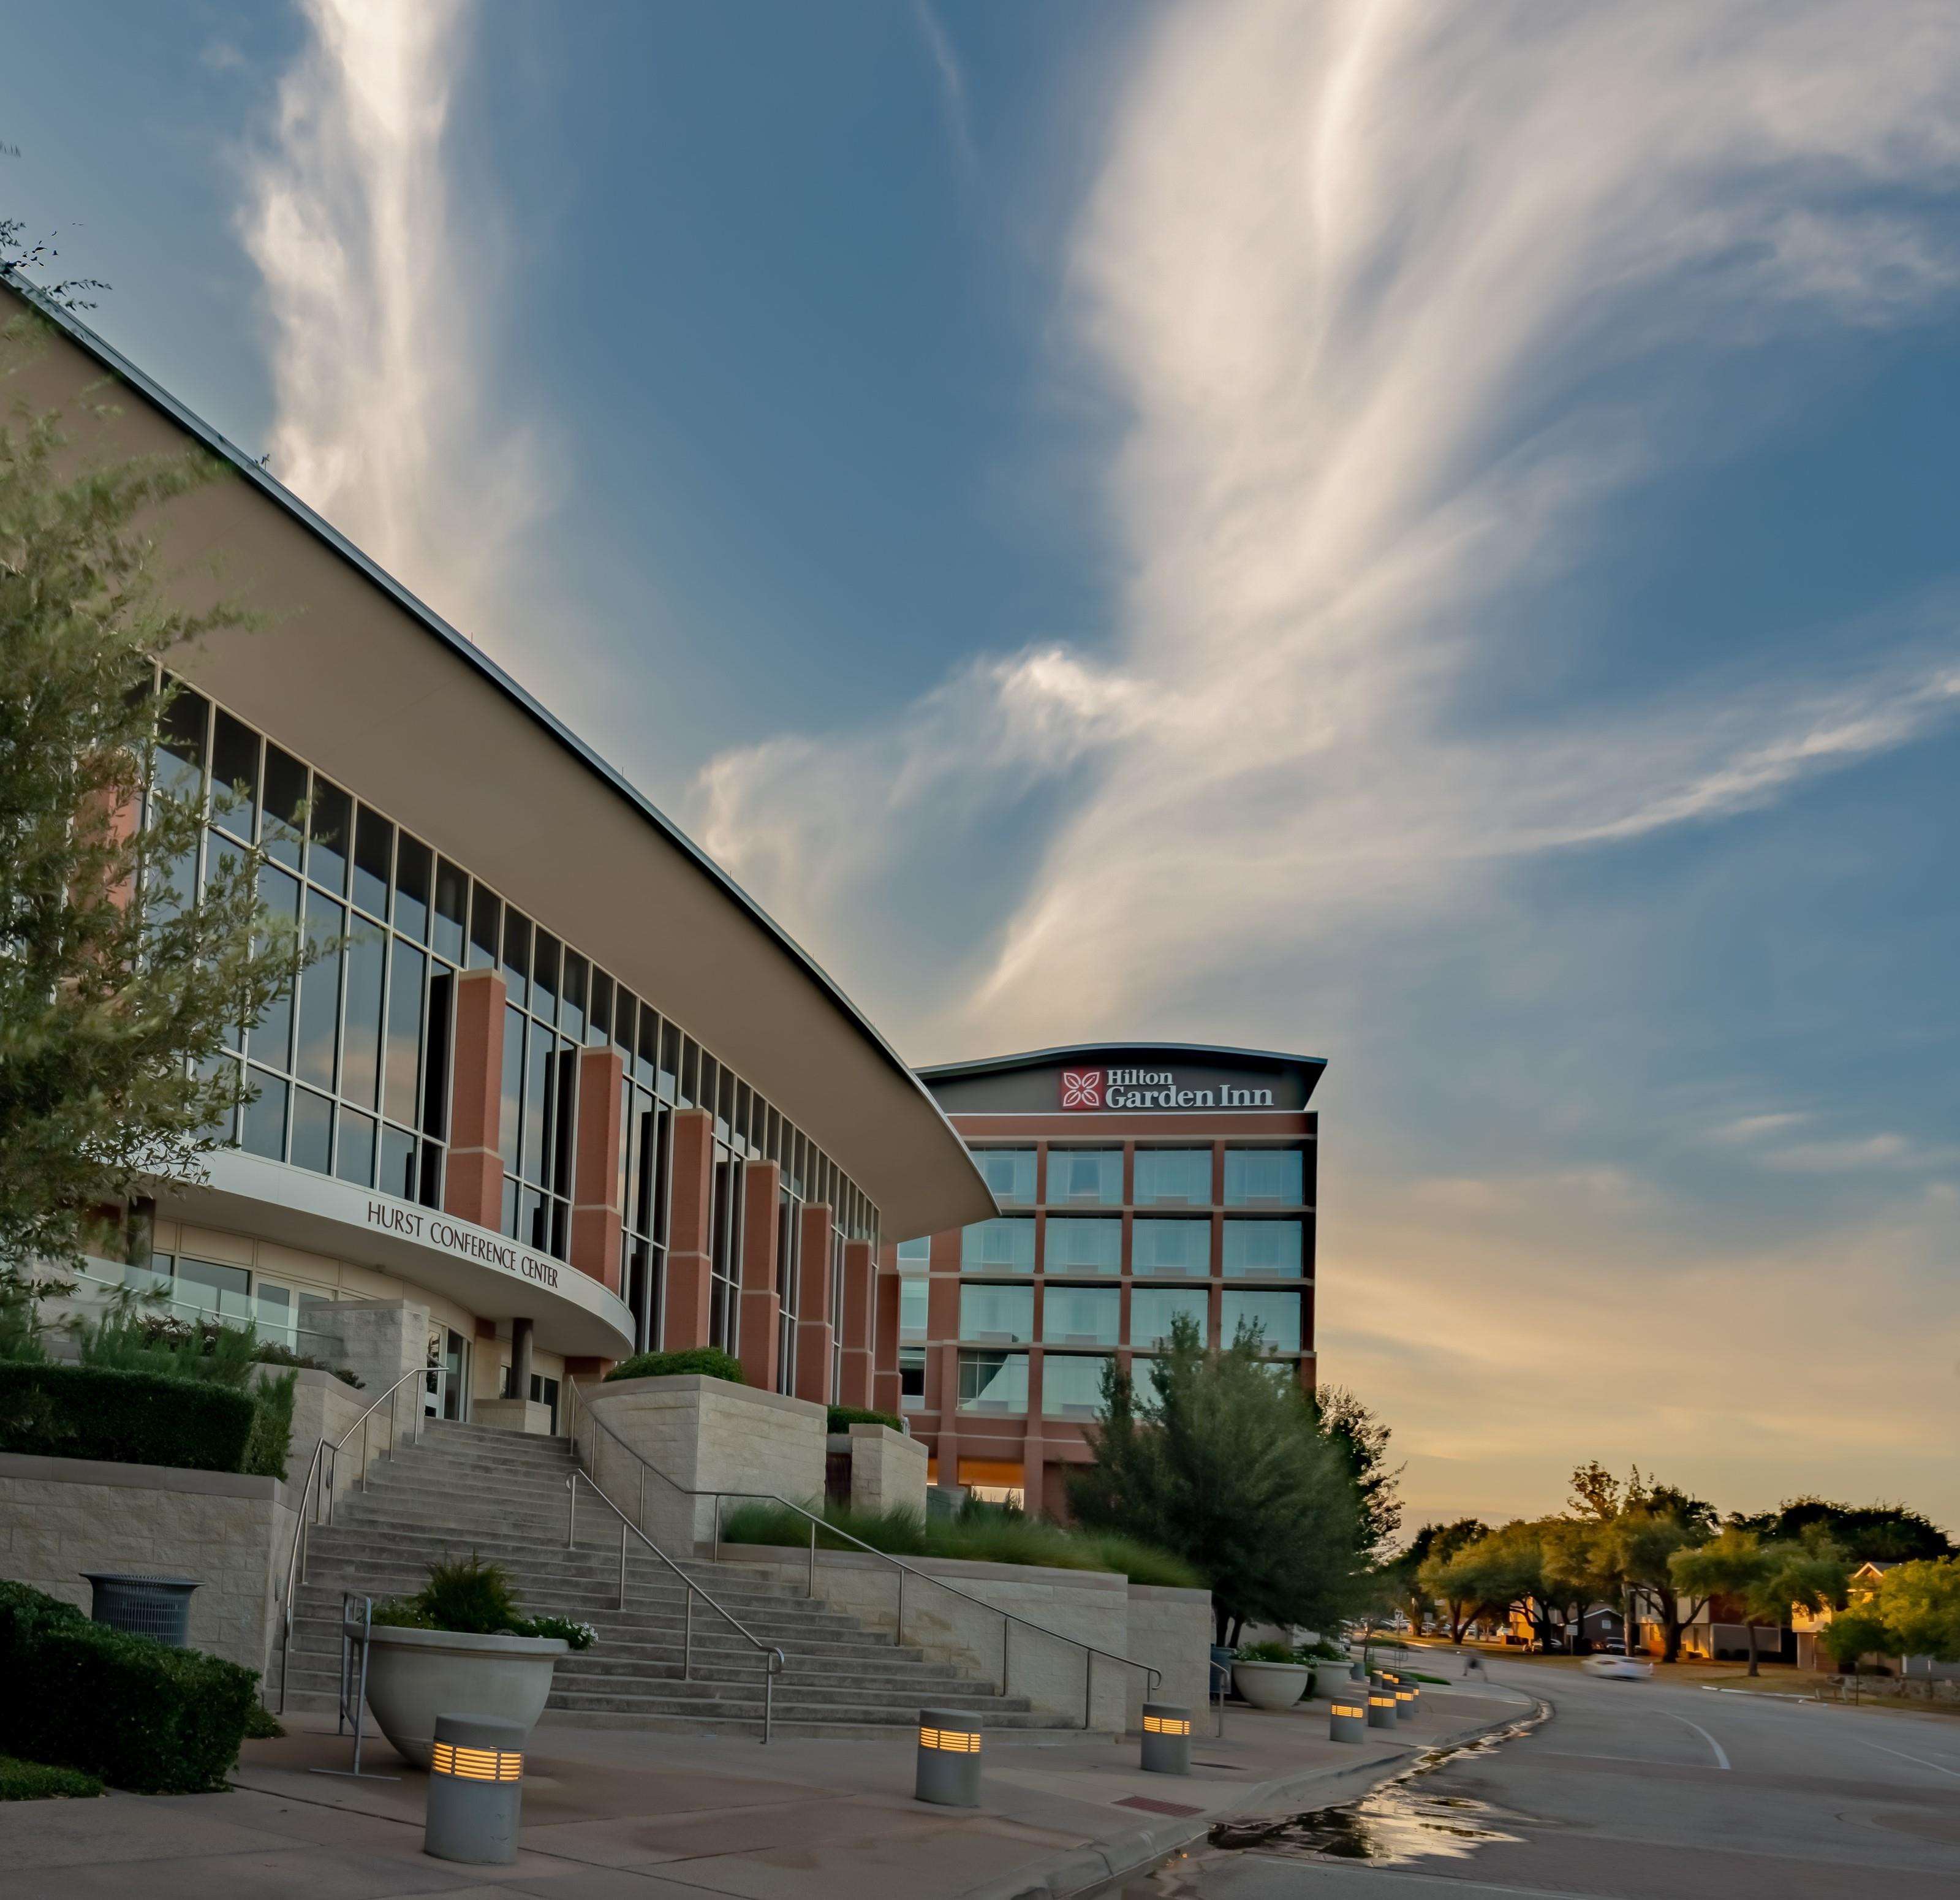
x=1636 y=1669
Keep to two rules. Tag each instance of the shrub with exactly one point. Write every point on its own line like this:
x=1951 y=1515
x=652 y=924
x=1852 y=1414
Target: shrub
x=272 y=1426
x=842 y=1418
x=1266 y=1652
x=711 y=1362
x=137 y=1712
x=580 y=1636
x=34 y=1781
x=262 y=1725
x=477 y=1599
x=127 y=1417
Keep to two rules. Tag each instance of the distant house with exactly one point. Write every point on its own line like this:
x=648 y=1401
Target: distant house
x=1863 y=1586
x=1718 y=1632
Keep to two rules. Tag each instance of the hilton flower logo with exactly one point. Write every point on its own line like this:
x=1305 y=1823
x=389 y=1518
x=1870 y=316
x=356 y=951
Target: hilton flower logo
x=1082 y=1088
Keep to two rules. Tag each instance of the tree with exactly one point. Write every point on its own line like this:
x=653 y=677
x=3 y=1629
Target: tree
x=1868 y=1533
x=1364 y=1441
x=1919 y=1605
x=120 y=983
x=20 y=255
x=1642 y=1543
x=1231 y=1468
x=1425 y=1561
x=1504 y=1568
x=1765 y=1580
x=1852 y=1634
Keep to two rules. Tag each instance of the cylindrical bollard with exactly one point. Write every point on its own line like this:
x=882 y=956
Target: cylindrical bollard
x=1405 y=1693
x=1166 y=1737
x=1381 y=1708
x=1348 y=1717
x=475 y=1790
x=949 y=1758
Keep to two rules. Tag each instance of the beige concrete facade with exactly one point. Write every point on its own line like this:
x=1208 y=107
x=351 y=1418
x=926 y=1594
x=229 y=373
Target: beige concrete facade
x=887 y=1470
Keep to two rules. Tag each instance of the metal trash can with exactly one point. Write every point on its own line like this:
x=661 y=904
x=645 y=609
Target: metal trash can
x=475 y=1790
x=1381 y=1708
x=1357 y=1671
x=1166 y=1738
x=949 y=1758
x=1347 y=1718
x=143 y=1603
x=1221 y=1670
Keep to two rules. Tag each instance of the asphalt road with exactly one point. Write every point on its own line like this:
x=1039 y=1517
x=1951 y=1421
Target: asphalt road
x=1636 y=1791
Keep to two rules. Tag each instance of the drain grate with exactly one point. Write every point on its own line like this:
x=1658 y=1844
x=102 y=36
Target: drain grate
x=1149 y=1806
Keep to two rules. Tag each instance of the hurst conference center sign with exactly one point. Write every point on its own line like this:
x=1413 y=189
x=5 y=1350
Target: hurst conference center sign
x=1128 y=1088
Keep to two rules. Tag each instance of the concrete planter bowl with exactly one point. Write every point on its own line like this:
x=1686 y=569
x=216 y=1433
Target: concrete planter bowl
x=414 y=1676
x=1330 y=1678
x=1269 y=1686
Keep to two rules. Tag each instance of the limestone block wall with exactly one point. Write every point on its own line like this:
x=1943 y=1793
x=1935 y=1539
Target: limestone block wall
x=378 y=1340
x=887 y=1470
x=705 y=1435
x=59 y=1516
x=1171 y=1630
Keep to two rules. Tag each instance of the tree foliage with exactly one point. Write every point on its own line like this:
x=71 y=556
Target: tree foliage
x=118 y=992
x=1868 y=1533
x=1764 y=1580
x=1918 y=1605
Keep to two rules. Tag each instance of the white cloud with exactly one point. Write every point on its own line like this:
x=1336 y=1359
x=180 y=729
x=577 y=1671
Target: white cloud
x=953 y=103
x=391 y=418
x=1853 y=1154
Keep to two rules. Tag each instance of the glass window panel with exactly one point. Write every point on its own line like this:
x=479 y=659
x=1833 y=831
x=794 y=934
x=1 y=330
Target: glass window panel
x=914 y=1296
x=1074 y=1245
x=283 y=834
x=912 y=1378
x=486 y=915
x=1009 y=1173
x=1174 y=1177
x=234 y=777
x=917 y=1252
x=1144 y=1381
x=431 y=1173
x=1072 y=1385
x=533 y=1220
x=668 y=1079
x=1154 y=1309
x=509 y=1121
x=319 y=995
x=414 y=865
x=1270 y=1176
x=398 y=1163
x=993 y=1382
x=572 y=1001
x=402 y=1072
x=1076 y=1176
x=209 y=1286
x=998 y=1246
x=360 y=1052
x=647 y=1056
x=1005 y=1314
x=374 y=853
x=452 y=894
x=1276 y=1314
x=564 y=1114
x=517 y=964
x=275 y=1314
x=355 y=1161
x=537 y=1103
x=1158 y=1246
x=435 y=1064
x=1263 y=1247
x=1080 y=1315
x=272 y=1034
x=178 y=769
x=266 y=1118
x=601 y=1017
x=330 y=827
x=544 y=976
x=313 y=1131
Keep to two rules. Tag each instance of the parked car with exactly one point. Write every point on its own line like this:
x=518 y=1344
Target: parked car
x=1632 y=1669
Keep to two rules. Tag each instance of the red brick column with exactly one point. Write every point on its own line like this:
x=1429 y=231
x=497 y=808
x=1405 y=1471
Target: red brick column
x=596 y=1224
x=813 y=1331
x=860 y=1270
x=473 y=1185
x=885 y=1394
x=762 y=1309
x=690 y=1232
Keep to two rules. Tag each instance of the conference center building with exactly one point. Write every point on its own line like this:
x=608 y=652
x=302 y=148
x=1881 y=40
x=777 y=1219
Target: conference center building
x=558 y=1082
x=1135 y=1184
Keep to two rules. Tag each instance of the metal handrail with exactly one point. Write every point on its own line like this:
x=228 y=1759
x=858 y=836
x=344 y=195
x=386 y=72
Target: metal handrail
x=1008 y=1618
x=773 y=1659
x=326 y=1458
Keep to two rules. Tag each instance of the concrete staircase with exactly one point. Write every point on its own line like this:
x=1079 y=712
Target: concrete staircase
x=467 y=1489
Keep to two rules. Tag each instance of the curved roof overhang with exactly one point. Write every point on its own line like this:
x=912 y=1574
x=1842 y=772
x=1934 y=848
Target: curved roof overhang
x=350 y=671
x=1309 y=1068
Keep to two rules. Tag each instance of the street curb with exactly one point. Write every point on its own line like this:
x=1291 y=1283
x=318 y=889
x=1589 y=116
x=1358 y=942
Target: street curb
x=1761 y=1695
x=1083 y=1869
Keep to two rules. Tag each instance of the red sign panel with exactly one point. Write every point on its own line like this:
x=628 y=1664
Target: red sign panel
x=1082 y=1088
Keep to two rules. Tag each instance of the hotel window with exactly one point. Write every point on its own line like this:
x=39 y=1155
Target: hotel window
x=1009 y=1173
x=1263 y=1178
x=995 y=1382
x=1085 y=1177
x=1072 y=1244
x=1003 y=1316
x=912 y=1379
x=998 y=1246
x=915 y=1296
x=1269 y=1247
x=1174 y=1177
x=1276 y=1315
x=1081 y=1316
x=1144 y=1381
x=1072 y=1385
x=1165 y=1246
x=915 y=1254
x=1154 y=1310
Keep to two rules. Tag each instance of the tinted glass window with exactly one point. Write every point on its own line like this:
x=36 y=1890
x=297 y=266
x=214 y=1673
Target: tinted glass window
x=178 y=769
x=917 y=1252
x=1263 y=1247
x=1170 y=1246
x=1276 y=1314
x=285 y=799
x=330 y=824
x=373 y=851
x=414 y=865
x=1072 y=1385
x=1154 y=1309
x=360 y=1054
x=356 y=1160
x=913 y=1295
x=320 y=995
x=405 y=1033
x=1003 y=1313
x=1008 y=1172
x=1079 y=1175
x=1270 y=1175
x=486 y=916
x=313 y=1131
x=998 y=1246
x=993 y=1382
x=1173 y=1176
x=1080 y=1315
x=1076 y=1245
x=234 y=777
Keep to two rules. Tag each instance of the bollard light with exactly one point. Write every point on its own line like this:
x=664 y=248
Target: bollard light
x=1348 y=1719
x=1381 y=1708
x=949 y=1758
x=1166 y=1738
x=475 y=1790
x=1405 y=1702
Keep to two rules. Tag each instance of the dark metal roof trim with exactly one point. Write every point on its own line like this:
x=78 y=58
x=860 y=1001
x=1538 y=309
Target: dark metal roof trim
x=1311 y=1066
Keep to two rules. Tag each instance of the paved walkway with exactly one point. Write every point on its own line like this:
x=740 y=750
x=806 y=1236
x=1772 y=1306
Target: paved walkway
x=614 y=1815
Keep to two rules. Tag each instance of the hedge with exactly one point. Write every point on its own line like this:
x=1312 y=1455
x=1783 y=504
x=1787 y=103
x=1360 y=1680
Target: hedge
x=708 y=1361
x=135 y=1712
x=33 y=1781
x=56 y=1410
x=842 y=1418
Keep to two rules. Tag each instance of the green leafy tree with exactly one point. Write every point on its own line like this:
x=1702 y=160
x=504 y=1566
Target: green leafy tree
x=1425 y=1560
x=1363 y=1440
x=1504 y=1570
x=1641 y=1544
x=1765 y=1580
x=1919 y=1605
x=1868 y=1533
x=1853 y=1634
x=1230 y=1468
x=120 y=985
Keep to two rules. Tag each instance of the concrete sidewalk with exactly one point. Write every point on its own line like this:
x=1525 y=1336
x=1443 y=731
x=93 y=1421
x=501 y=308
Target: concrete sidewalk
x=613 y=1815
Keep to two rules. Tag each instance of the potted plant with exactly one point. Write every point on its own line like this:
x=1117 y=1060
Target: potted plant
x=460 y=1645
x=1329 y=1665
x=1265 y=1675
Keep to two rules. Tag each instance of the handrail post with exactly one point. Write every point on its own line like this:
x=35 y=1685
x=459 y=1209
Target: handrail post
x=1007 y=1630
x=623 y=1563
x=643 y=1497
x=768 y=1697
x=899 y=1639
x=687 y=1636
x=715 y=1547
x=571 y=1512
x=1088 y=1687
x=812 y=1585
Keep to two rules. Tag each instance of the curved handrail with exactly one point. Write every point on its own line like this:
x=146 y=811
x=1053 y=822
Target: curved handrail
x=774 y=1661
x=1009 y=1618
x=309 y=1490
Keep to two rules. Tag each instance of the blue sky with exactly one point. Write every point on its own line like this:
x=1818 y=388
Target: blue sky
x=1421 y=537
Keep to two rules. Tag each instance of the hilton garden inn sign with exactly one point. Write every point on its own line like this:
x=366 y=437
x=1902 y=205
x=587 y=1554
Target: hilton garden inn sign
x=1114 y=1088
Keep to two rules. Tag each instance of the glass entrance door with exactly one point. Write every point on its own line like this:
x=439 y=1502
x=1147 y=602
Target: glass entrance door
x=444 y=1383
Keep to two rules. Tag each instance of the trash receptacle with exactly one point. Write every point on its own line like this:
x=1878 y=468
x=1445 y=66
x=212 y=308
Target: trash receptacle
x=143 y=1603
